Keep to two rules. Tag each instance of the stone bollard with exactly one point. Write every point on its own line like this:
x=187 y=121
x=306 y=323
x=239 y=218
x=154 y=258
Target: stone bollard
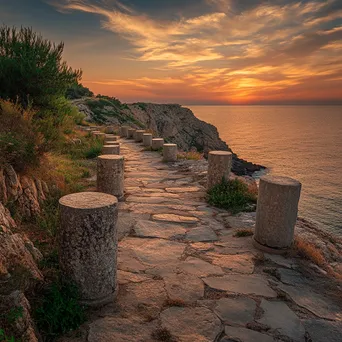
x=139 y=135
x=131 y=132
x=111 y=149
x=110 y=139
x=99 y=135
x=219 y=166
x=110 y=175
x=110 y=129
x=157 y=144
x=123 y=131
x=276 y=214
x=170 y=152
x=88 y=245
x=147 y=139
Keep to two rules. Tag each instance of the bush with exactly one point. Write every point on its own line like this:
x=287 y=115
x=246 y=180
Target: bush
x=20 y=144
x=77 y=91
x=33 y=75
x=232 y=195
x=31 y=68
x=59 y=311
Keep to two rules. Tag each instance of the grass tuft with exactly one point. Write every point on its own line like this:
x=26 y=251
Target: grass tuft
x=309 y=251
x=59 y=310
x=243 y=232
x=191 y=155
x=232 y=195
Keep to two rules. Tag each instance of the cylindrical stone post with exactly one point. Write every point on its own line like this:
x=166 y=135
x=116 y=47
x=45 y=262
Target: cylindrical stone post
x=170 y=152
x=157 y=144
x=276 y=214
x=88 y=245
x=139 y=135
x=99 y=135
x=147 y=139
x=110 y=129
x=110 y=175
x=111 y=149
x=219 y=166
x=110 y=139
x=123 y=131
x=131 y=133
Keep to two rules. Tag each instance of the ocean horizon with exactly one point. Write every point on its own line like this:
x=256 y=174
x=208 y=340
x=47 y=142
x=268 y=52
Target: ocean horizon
x=299 y=141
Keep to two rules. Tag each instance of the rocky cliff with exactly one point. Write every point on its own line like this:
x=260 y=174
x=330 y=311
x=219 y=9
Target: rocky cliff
x=18 y=256
x=173 y=122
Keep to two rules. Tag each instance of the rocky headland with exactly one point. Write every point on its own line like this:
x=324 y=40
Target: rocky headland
x=176 y=124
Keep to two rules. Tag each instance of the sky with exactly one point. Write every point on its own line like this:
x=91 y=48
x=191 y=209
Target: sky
x=196 y=51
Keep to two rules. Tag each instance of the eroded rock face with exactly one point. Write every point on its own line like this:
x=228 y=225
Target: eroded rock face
x=23 y=325
x=18 y=259
x=16 y=249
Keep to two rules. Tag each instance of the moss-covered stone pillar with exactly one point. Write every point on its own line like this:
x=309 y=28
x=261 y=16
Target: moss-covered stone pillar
x=88 y=245
x=170 y=152
x=147 y=139
x=276 y=214
x=110 y=175
x=111 y=149
x=219 y=166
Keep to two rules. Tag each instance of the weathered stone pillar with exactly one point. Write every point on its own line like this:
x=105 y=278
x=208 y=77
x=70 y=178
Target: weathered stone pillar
x=170 y=152
x=93 y=133
x=110 y=175
x=111 y=149
x=139 y=135
x=99 y=136
x=219 y=166
x=111 y=139
x=110 y=129
x=157 y=143
x=124 y=131
x=131 y=132
x=147 y=139
x=276 y=214
x=88 y=245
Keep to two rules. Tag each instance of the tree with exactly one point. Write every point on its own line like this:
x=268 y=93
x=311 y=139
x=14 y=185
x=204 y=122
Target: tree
x=34 y=76
x=31 y=68
x=77 y=91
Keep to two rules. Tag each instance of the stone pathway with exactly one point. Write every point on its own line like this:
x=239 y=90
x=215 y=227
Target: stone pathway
x=184 y=277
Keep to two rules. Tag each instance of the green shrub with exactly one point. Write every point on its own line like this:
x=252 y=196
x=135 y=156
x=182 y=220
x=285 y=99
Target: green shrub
x=32 y=69
x=48 y=219
x=59 y=310
x=20 y=144
x=77 y=91
x=5 y=338
x=232 y=195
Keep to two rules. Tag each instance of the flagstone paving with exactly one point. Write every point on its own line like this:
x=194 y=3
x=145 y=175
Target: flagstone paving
x=183 y=275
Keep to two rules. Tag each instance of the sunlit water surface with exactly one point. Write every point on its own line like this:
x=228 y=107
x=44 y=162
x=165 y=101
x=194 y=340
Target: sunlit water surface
x=303 y=142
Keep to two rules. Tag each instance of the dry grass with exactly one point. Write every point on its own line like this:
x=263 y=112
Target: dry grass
x=192 y=155
x=162 y=334
x=309 y=251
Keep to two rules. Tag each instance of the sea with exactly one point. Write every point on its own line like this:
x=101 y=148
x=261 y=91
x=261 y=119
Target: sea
x=302 y=142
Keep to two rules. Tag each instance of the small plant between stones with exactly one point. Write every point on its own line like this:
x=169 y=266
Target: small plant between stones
x=232 y=195
x=59 y=311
